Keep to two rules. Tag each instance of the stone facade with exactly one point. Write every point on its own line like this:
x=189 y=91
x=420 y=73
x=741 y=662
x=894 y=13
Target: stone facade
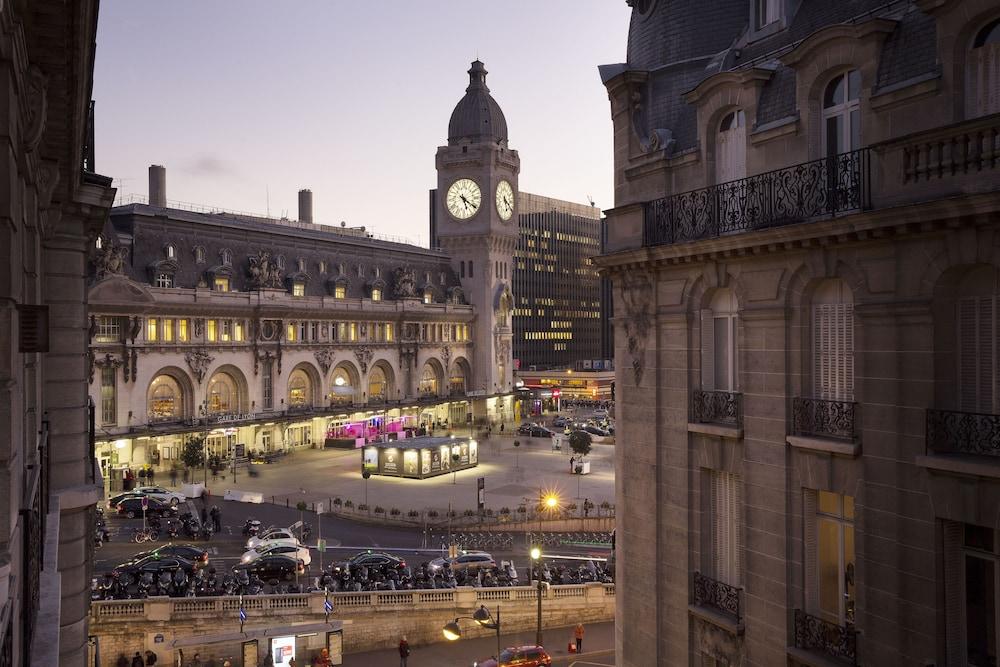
x=52 y=203
x=806 y=336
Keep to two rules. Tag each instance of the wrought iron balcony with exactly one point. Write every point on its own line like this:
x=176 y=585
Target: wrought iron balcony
x=836 y=641
x=822 y=188
x=954 y=432
x=717 y=407
x=823 y=418
x=719 y=596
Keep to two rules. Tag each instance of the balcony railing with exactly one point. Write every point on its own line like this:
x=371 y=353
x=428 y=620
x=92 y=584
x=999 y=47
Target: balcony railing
x=823 y=418
x=717 y=407
x=711 y=593
x=953 y=432
x=836 y=641
x=821 y=188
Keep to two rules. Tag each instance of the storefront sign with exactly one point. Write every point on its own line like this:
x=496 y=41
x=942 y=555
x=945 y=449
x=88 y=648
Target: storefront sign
x=223 y=419
x=282 y=650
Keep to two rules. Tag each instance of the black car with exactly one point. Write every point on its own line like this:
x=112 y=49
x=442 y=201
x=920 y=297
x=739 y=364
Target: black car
x=273 y=567
x=114 y=500
x=189 y=552
x=370 y=559
x=540 y=432
x=155 y=565
x=132 y=507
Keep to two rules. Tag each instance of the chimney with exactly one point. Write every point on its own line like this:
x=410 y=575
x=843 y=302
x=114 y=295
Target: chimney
x=305 y=205
x=157 y=186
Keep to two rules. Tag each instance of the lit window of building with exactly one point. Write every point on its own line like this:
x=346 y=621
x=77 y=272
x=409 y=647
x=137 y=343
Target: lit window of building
x=152 y=329
x=220 y=284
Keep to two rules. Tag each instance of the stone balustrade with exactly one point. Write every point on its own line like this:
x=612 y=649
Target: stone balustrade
x=372 y=620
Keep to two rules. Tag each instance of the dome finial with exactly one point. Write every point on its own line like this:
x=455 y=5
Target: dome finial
x=477 y=77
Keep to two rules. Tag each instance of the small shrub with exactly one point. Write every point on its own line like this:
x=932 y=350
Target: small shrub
x=301 y=506
x=394 y=512
x=572 y=507
x=504 y=510
x=362 y=507
x=469 y=513
x=432 y=514
x=489 y=512
x=522 y=510
x=452 y=514
x=413 y=514
x=605 y=505
x=349 y=504
x=337 y=502
x=379 y=509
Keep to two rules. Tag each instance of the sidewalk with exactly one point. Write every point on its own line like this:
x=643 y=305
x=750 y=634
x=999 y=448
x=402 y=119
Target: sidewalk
x=598 y=644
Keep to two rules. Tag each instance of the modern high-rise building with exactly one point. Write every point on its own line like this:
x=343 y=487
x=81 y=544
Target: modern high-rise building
x=52 y=203
x=557 y=291
x=805 y=252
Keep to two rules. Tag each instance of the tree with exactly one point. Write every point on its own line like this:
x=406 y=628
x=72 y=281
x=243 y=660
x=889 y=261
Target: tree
x=580 y=442
x=194 y=452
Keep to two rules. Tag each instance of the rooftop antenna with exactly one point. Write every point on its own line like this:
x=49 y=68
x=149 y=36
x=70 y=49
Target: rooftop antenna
x=591 y=200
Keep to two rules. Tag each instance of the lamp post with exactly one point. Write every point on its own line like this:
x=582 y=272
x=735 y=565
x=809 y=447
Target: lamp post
x=483 y=617
x=536 y=555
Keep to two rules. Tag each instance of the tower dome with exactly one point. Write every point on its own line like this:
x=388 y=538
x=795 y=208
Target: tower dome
x=477 y=116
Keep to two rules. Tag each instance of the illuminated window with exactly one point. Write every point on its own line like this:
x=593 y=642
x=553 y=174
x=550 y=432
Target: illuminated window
x=220 y=284
x=168 y=331
x=164 y=280
x=830 y=583
x=151 y=329
x=239 y=333
x=223 y=396
x=290 y=332
x=267 y=383
x=428 y=296
x=388 y=332
x=164 y=399
x=227 y=331
x=213 y=331
x=108 y=329
x=299 y=389
x=109 y=395
x=298 y=289
x=376 y=294
x=182 y=331
x=354 y=331
x=340 y=291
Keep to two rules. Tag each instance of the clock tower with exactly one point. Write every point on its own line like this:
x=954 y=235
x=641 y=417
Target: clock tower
x=475 y=221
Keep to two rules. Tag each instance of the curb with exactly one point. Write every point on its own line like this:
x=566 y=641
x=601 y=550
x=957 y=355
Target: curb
x=571 y=657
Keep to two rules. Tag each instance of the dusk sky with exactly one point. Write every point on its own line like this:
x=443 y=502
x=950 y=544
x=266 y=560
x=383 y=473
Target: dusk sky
x=239 y=99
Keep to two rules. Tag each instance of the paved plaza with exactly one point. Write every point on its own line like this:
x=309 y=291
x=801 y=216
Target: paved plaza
x=513 y=476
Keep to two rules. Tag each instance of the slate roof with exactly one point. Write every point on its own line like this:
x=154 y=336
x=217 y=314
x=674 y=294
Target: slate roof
x=477 y=116
x=682 y=42
x=146 y=231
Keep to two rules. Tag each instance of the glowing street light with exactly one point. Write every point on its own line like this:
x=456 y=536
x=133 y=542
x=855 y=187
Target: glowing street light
x=536 y=555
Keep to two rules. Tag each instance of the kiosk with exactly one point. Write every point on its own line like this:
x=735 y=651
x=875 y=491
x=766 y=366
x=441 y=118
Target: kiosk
x=421 y=457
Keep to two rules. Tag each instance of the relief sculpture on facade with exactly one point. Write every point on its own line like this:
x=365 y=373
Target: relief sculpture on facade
x=198 y=361
x=264 y=271
x=325 y=357
x=637 y=294
x=109 y=260
x=364 y=355
x=404 y=283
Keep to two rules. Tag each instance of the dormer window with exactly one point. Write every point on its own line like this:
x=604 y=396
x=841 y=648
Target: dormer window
x=280 y=261
x=298 y=288
x=376 y=294
x=428 y=296
x=302 y=265
x=377 y=272
x=982 y=73
x=443 y=277
x=199 y=254
x=766 y=12
x=220 y=284
x=731 y=148
x=99 y=243
x=164 y=280
x=361 y=271
x=170 y=251
x=341 y=269
x=842 y=114
x=322 y=267
x=227 y=256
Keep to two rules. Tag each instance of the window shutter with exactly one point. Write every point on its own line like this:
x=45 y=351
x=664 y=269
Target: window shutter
x=737 y=530
x=985 y=347
x=717 y=560
x=967 y=354
x=833 y=351
x=707 y=350
x=723 y=353
x=33 y=329
x=821 y=351
x=846 y=353
x=809 y=549
x=991 y=79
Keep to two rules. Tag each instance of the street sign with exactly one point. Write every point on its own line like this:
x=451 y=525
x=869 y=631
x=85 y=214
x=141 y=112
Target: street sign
x=328 y=607
x=481 y=489
x=319 y=507
x=321 y=545
x=145 y=503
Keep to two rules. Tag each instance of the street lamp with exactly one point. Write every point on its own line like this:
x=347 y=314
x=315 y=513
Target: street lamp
x=483 y=617
x=536 y=555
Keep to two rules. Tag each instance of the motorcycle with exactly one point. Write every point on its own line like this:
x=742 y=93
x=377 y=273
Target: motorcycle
x=251 y=528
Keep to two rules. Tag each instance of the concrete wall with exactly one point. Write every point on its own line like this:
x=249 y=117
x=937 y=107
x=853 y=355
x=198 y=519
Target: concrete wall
x=371 y=620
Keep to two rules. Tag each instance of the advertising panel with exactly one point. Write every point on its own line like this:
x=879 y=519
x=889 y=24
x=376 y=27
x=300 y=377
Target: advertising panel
x=410 y=463
x=436 y=464
x=389 y=461
x=425 y=462
x=282 y=650
x=370 y=459
x=474 y=452
x=445 y=457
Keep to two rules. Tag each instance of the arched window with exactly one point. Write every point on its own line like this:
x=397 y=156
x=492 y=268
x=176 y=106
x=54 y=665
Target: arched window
x=376 y=294
x=223 y=394
x=378 y=385
x=428 y=295
x=199 y=254
x=978 y=317
x=428 y=381
x=227 y=257
x=164 y=401
x=171 y=251
x=833 y=341
x=982 y=73
x=718 y=343
x=731 y=148
x=299 y=389
x=456 y=383
x=842 y=114
x=342 y=388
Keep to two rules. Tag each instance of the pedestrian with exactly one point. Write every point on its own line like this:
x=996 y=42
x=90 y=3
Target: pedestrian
x=150 y=658
x=572 y=460
x=204 y=515
x=586 y=507
x=578 y=633
x=216 y=518
x=137 y=660
x=292 y=662
x=122 y=661
x=149 y=475
x=404 y=651
x=501 y=428
x=173 y=477
x=268 y=660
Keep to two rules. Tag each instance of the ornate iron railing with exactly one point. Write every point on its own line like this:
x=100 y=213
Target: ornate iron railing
x=824 y=418
x=837 y=641
x=953 y=432
x=825 y=187
x=717 y=407
x=711 y=593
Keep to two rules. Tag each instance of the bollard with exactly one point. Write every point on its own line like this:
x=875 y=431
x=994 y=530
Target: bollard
x=286 y=502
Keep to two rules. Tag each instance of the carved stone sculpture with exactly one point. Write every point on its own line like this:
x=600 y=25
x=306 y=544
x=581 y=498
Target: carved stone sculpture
x=364 y=355
x=325 y=357
x=264 y=271
x=199 y=361
x=109 y=260
x=637 y=295
x=405 y=286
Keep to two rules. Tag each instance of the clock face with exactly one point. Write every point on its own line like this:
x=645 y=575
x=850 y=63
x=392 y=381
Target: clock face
x=505 y=200
x=464 y=198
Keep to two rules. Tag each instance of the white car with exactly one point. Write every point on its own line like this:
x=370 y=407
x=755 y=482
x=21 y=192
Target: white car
x=279 y=548
x=172 y=498
x=273 y=536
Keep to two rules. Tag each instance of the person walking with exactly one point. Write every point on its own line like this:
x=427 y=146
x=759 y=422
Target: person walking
x=204 y=516
x=572 y=460
x=137 y=660
x=404 y=651
x=173 y=477
x=150 y=658
x=578 y=633
x=216 y=518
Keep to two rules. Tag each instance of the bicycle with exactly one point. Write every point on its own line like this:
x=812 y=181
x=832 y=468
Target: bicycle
x=145 y=535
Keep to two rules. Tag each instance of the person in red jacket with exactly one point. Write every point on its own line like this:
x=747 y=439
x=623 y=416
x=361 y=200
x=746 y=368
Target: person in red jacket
x=404 y=651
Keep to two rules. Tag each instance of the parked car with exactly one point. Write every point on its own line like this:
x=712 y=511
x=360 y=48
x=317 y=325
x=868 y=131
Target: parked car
x=600 y=413
x=281 y=548
x=560 y=421
x=375 y=559
x=115 y=499
x=155 y=564
x=189 y=552
x=472 y=560
x=525 y=429
x=273 y=536
x=540 y=432
x=132 y=507
x=521 y=656
x=161 y=494
x=277 y=566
